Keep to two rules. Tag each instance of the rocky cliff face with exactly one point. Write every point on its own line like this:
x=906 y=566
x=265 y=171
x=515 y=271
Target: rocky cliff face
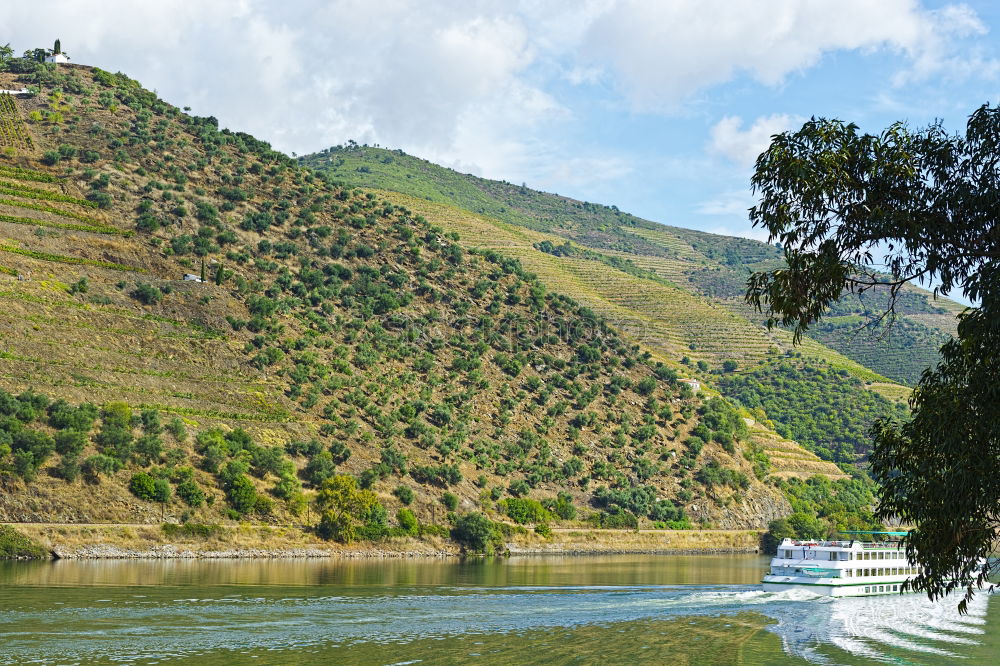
x=753 y=508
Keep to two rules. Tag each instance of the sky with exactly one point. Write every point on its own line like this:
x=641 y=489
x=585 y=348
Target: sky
x=657 y=107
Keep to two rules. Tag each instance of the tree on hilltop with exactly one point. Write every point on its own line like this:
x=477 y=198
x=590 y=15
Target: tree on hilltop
x=855 y=212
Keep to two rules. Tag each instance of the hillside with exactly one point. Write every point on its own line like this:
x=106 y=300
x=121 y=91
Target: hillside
x=335 y=331
x=712 y=269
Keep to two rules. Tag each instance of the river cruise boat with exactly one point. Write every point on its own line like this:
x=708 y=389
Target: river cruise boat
x=845 y=568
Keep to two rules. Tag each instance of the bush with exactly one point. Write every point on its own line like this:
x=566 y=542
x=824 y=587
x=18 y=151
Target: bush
x=16 y=546
x=191 y=530
x=143 y=486
x=476 y=533
x=519 y=488
x=404 y=494
x=70 y=442
x=440 y=475
x=190 y=493
x=615 y=518
x=147 y=294
x=407 y=522
x=161 y=491
x=320 y=468
x=561 y=506
x=68 y=468
x=524 y=510
x=25 y=465
x=100 y=465
x=176 y=428
x=450 y=501
x=241 y=494
x=645 y=386
x=149 y=448
x=102 y=199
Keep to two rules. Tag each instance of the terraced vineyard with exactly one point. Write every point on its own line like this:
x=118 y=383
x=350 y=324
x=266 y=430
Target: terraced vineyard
x=13 y=132
x=789 y=460
x=668 y=320
x=90 y=346
x=711 y=268
x=671 y=321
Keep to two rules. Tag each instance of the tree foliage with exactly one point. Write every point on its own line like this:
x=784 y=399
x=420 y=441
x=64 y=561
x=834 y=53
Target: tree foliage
x=344 y=508
x=855 y=212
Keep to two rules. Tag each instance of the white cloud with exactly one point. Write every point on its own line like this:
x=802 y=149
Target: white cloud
x=733 y=203
x=741 y=231
x=660 y=53
x=445 y=80
x=583 y=173
x=742 y=146
x=482 y=84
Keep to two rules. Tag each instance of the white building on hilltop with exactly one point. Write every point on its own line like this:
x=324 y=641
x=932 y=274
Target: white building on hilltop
x=57 y=56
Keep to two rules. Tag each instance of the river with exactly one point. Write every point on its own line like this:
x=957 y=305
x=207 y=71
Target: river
x=523 y=610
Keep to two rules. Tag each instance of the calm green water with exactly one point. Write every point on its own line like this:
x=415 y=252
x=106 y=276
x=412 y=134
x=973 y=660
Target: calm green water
x=540 y=610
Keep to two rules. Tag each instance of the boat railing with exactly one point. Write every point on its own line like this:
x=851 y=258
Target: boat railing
x=867 y=545
x=822 y=544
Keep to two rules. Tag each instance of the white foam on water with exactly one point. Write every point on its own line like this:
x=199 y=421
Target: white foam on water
x=865 y=626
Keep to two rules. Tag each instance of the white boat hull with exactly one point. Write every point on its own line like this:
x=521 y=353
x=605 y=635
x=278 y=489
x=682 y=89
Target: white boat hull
x=830 y=589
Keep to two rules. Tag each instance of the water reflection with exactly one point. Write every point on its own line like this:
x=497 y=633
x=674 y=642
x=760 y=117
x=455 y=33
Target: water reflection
x=524 y=610
x=388 y=573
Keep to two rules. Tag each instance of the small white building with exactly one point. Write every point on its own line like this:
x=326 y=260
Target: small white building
x=56 y=55
x=693 y=383
x=188 y=277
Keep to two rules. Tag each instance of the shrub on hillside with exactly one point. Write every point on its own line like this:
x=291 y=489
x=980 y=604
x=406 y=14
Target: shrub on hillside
x=450 y=501
x=16 y=546
x=191 y=493
x=476 y=533
x=143 y=486
x=524 y=510
x=407 y=522
x=147 y=294
x=404 y=494
x=100 y=465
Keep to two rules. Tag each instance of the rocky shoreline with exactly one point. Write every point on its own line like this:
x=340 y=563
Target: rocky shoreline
x=174 y=552
x=249 y=542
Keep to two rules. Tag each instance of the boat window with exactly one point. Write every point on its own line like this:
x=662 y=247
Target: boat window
x=881 y=588
x=868 y=590
x=895 y=588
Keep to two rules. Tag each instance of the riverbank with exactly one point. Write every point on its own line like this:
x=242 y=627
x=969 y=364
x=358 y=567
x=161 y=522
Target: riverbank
x=245 y=541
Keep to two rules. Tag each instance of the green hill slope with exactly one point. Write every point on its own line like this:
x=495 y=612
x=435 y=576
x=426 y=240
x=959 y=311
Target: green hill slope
x=712 y=268
x=335 y=332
